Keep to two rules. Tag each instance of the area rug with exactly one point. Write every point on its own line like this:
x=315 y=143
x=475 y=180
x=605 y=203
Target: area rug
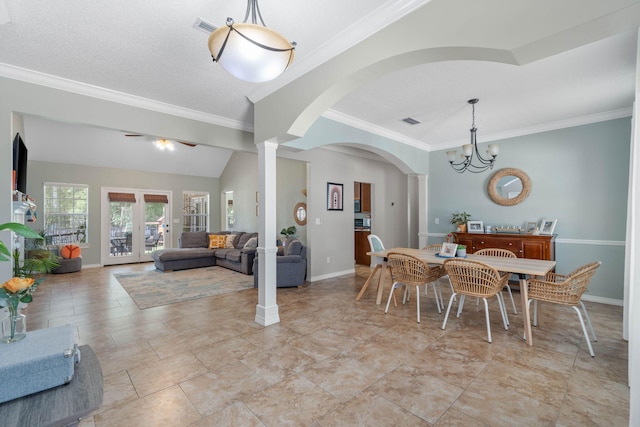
x=154 y=288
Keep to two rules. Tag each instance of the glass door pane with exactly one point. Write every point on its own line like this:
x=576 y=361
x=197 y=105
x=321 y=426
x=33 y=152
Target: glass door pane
x=155 y=215
x=121 y=227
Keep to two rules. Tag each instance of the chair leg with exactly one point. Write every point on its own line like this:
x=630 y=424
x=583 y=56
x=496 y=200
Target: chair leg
x=513 y=303
x=446 y=316
x=535 y=312
x=460 y=305
x=584 y=330
x=503 y=311
x=486 y=312
x=593 y=333
x=439 y=302
x=503 y=307
x=393 y=288
x=417 y=302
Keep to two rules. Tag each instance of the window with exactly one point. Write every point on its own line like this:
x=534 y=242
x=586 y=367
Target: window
x=66 y=213
x=196 y=211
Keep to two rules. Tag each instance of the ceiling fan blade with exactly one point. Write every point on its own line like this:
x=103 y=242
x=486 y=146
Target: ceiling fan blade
x=132 y=134
x=188 y=144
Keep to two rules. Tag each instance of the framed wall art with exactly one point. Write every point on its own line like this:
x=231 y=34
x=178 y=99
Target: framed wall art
x=334 y=196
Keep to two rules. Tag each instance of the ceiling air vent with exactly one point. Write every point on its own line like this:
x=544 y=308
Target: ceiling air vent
x=204 y=26
x=410 y=120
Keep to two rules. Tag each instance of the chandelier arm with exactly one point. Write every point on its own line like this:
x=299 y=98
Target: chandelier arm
x=264 y=46
x=224 y=44
x=253 y=11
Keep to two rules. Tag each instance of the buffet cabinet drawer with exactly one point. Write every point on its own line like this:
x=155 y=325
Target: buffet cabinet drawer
x=486 y=242
x=523 y=245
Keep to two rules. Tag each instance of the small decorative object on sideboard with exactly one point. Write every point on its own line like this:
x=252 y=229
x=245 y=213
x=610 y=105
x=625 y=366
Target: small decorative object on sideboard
x=547 y=226
x=511 y=229
x=461 y=252
x=460 y=220
x=475 y=227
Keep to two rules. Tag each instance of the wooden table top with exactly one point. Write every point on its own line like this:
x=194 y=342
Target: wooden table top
x=534 y=267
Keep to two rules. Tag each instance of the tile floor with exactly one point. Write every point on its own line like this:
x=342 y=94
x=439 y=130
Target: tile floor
x=334 y=361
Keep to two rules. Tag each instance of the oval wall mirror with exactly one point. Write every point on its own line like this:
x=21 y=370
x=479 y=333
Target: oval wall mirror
x=300 y=213
x=509 y=186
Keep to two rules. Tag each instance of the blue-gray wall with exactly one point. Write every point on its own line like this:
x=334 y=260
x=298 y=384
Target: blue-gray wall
x=579 y=176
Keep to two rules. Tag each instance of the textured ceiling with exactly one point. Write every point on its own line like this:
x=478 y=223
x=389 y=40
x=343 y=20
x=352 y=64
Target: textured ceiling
x=150 y=50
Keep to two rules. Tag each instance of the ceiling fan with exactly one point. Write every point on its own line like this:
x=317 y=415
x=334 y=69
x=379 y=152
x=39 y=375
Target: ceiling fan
x=161 y=143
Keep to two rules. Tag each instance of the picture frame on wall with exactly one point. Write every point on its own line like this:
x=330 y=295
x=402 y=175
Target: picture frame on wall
x=475 y=227
x=335 y=196
x=547 y=226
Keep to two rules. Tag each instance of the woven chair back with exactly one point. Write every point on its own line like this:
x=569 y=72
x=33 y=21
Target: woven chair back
x=473 y=278
x=504 y=253
x=434 y=248
x=567 y=292
x=410 y=270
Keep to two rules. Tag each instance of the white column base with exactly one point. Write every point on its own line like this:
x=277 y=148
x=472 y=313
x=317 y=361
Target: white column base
x=266 y=316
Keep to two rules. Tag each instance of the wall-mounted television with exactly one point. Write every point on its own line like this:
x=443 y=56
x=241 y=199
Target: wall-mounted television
x=20 y=164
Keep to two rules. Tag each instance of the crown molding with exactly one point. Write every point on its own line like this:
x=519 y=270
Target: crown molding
x=67 y=85
x=374 y=129
x=544 y=127
x=363 y=28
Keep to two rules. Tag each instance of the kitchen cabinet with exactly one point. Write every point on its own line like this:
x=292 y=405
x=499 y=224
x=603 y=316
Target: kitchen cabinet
x=362 y=247
x=362 y=194
x=523 y=245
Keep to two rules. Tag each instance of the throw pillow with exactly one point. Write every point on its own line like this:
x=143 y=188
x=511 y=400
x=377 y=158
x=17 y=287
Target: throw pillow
x=70 y=251
x=217 y=241
x=231 y=238
x=252 y=243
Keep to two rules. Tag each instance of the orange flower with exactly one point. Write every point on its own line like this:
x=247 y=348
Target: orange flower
x=18 y=284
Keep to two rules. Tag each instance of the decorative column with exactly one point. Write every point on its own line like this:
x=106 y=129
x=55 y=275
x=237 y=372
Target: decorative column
x=267 y=309
x=423 y=210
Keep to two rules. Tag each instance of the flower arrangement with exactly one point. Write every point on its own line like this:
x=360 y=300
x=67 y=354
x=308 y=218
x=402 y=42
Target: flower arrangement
x=19 y=288
x=450 y=238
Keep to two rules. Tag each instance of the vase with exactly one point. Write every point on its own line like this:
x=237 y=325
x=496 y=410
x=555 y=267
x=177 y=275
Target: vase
x=14 y=325
x=462 y=253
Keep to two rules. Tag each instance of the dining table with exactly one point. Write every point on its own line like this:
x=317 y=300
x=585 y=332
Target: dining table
x=523 y=267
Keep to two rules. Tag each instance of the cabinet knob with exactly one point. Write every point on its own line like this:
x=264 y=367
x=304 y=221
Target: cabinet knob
x=482 y=243
x=510 y=244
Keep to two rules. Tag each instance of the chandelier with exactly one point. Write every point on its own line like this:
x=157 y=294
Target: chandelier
x=163 y=144
x=250 y=51
x=469 y=150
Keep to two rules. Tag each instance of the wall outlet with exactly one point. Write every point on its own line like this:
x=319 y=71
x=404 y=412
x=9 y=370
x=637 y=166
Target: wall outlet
x=328 y=260
x=437 y=220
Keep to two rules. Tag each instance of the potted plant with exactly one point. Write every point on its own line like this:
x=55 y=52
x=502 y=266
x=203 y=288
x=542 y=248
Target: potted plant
x=288 y=232
x=461 y=251
x=460 y=220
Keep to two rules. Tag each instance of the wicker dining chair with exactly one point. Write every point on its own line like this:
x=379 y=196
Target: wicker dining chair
x=435 y=248
x=505 y=253
x=375 y=244
x=475 y=279
x=409 y=270
x=565 y=290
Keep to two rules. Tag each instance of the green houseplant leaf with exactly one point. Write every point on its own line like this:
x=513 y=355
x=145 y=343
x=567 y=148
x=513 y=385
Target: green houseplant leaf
x=17 y=228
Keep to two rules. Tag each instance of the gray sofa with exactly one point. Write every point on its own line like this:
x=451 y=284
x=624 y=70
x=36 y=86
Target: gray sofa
x=194 y=252
x=291 y=265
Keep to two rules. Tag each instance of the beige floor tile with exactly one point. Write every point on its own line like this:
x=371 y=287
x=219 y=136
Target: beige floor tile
x=221 y=387
x=334 y=361
x=310 y=402
x=175 y=369
x=367 y=409
x=413 y=389
x=169 y=407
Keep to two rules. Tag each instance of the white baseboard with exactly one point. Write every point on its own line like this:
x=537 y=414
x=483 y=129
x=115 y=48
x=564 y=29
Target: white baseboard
x=332 y=275
x=91 y=266
x=603 y=300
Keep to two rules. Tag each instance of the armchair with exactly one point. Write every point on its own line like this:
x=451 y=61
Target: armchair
x=291 y=268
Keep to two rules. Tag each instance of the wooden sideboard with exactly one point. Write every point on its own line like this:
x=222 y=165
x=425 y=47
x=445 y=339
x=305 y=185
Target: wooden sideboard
x=523 y=245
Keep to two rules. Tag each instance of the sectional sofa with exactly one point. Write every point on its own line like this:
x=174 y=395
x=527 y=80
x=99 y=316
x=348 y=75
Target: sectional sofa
x=194 y=252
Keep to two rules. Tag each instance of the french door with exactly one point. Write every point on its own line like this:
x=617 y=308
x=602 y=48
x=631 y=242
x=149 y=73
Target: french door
x=134 y=224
